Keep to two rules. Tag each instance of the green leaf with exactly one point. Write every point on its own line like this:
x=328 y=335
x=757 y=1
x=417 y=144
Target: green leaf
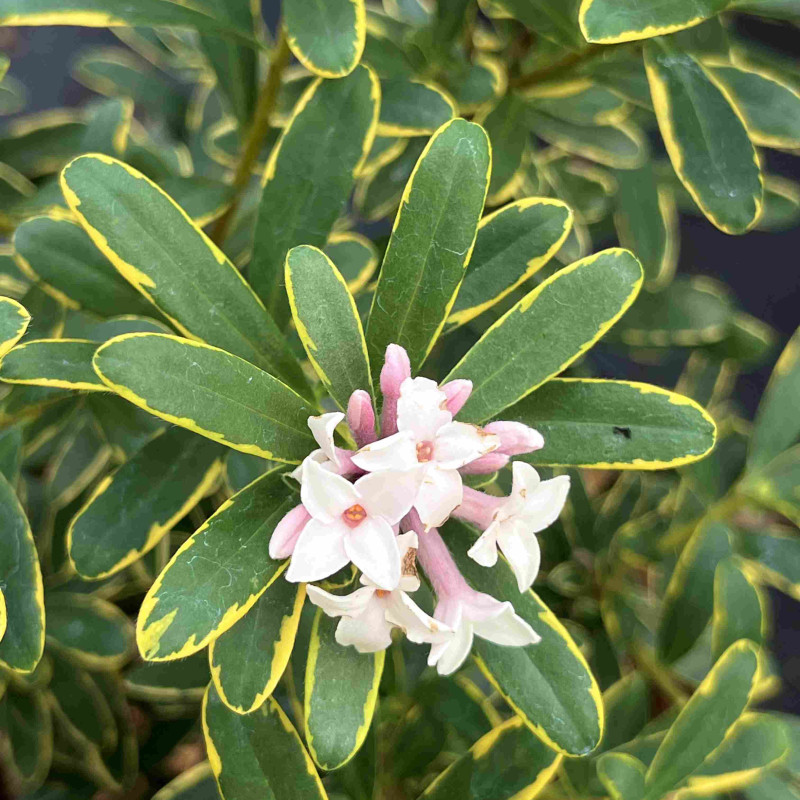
x=242 y=469
x=689 y=599
x=308 y=179
x=704 y=721
x=614 y=425
x=203 y=199
x=112 y=13
x=777 y=424
x=27 y=724
x=614 y=21
x=355 y=257
x=208 y=391
x=556 y=20
x=688 y=313
x=47 y=314
x=11 y=455
x=584 y=105
x=197 y=783
x=508 y=762
x=21 y=584
x=169 y=681
x=513 y=243
x=91 y=630
x=775 y=485
x=622 y=775
x=431 y=243
x=63 y=257
x=586 y=188
x=508 y=137
x=740 y=607
x=412 y=108
x=194 y=599
x=621 y=145
x=548 y=684
x=130 y=511
x=380 y=193
x=14 y=321
x=109 y=126
x=538 y=338
x=781 y=204
x=706 y=139
x=327 y=322
x=341 y=691
x=326 y=38
x=63 y=363
x=248 y=660
x=770 y=108
x=259 y=755
x=156 y=247
x=126 y=428
x=647 y=223
x=776 y=559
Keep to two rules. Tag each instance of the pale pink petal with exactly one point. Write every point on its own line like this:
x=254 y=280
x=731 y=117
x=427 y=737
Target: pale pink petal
x=325 y=495
x=322 y=428
x=287 y=531
x=515 y=437
x=372 y=547
x=491 y=462
x=396 y=368
x=369 y=632
x=439 y=493
x=457 y=393
x=361 y=417
x=319 y=552
x=389 y=494
x=484 y=551
x=521 y=548
x=396 y=452
x=341 y=605
x=455 y=651
x=418 y=627
x=458 y=443
x=507 y=629
x=422 y=409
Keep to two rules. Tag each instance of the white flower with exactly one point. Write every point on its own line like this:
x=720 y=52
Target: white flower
x=470 y=613
x=532 y=505
x=322 y=427
x=369 y=613
x=351 y=522
x=428 y=436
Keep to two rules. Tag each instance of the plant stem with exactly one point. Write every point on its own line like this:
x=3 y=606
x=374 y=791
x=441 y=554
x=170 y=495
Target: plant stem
x=258 y=131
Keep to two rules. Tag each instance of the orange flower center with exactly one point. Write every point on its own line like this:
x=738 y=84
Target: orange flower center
x=381 y=592
x=354 y=515
x=424 y=452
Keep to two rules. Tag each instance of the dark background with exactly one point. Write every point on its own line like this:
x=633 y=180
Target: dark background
x=760 y=268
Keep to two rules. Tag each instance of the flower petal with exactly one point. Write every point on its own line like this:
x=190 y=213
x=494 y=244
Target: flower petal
x=418 y=627
x=484 y=551
x=543 y=506
x=397 y=452
x=507 y=629
x=521 y=547
x=372 y=547
x=322 y=427
x=455 y=651
x=422 y=409
x=319 y=552
x=341 y=605
x=440 y=492
x=368 y=632
x=324 y=494
x=389 y=494
x=284 y=537
x=458 y=443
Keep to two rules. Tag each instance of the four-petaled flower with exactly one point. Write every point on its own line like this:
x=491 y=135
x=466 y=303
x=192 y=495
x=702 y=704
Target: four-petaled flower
x=369 y=614
x=351 y=522
x=428 y=439
x=532 y=506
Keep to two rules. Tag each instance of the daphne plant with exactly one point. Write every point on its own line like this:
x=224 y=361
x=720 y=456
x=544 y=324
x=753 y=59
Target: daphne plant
x=303 y=402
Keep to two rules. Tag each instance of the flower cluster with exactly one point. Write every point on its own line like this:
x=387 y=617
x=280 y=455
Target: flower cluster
x=378 y=508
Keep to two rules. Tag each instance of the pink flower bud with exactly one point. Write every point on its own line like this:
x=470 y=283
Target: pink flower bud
x=361 y=417
x=287 y=532
x=491 y=462
x=396 y=368
x=458 y=392
x=515 y=438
